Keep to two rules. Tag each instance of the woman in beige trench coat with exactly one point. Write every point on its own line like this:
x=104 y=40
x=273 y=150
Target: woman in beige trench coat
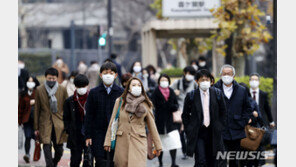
x=131 y=139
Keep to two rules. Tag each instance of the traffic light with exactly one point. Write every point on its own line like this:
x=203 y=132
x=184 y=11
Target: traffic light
x=102 y=39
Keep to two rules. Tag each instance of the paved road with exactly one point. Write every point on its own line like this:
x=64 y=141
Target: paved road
x=66 y=159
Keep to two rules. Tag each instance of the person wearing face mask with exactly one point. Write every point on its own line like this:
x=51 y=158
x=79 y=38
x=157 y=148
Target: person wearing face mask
x=136 y=70
x=238 y=111
x=165 y=102
x=74 y=113
x=194 y=64
x=261 y=99
x=61 y=67
x=135 y=112
x=202 y=63
x=148 y=83
x=48 y=117
x=26 y=113
x=82 y=67
x=204 y=120
x=69 y=83
x=93 y=74
x=23 y=76
x=99 y=106
x=181 y=88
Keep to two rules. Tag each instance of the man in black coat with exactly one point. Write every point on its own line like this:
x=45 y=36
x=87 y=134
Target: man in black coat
x=74 y=113
x=262 y=100
x=23 y=75
x=204 y=118
x=238 y=110
x=99 y=106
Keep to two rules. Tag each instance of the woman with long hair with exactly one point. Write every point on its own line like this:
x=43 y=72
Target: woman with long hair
x=25 y=113
x=135 y=113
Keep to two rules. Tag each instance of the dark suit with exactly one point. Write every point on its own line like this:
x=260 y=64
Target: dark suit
x=195 y=130
x=264 y=108
x=238 y=114
x=99 y=106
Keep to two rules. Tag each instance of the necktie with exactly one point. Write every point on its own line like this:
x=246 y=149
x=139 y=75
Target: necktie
x=254 y=95
x=206 y=109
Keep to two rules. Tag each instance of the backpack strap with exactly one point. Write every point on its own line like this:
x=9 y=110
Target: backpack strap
x=178 y=84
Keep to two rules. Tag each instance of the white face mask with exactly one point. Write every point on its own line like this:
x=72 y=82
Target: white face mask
x=227 y=79
x=82 y=91
x=164 y=84
x=195 y=67
x=108 y=79
x=202 y=64
x=59 y=61
x=205 y=85
x=254 y=84
x=72 y=80
x=21 y=66
x=136 y=90
x=145 y=75
x=30 y=85
x=189 y=77
x=137 y=69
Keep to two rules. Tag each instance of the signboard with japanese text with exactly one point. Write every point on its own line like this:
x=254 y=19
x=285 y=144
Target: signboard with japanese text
x=188 y=8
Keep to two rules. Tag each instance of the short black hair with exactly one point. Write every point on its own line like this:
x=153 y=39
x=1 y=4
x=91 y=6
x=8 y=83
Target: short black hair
x=193 y=61
x=108 y=60
x=164 y=75
x=93 y=62
x=203 y=73
x=151 y=67
x=202 y=58
x=81 y=81
x=108 y=66
x=73 y=74
x=51 y=71
x=254 y=74
x=113 y=56
x=189 y=69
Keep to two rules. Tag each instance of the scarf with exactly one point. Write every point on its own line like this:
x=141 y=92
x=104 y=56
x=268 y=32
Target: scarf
x=185 y=83
x=165 y=92
x=135 y=105
x=53 y=100
x=81 y=100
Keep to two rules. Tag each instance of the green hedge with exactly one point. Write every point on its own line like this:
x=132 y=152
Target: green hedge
x=173 y=72
x=266 y=84
x=36 y=64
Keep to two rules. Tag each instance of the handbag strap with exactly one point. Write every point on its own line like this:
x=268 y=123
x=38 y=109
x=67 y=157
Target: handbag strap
x=118 y=110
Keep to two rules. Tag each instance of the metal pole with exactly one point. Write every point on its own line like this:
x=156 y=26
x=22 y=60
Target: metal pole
x=73 y=45
x=110 y=29
x=274 y=57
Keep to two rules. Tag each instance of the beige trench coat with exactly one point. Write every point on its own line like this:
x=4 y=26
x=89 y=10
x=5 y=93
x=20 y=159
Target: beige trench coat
x=44 y=119
x=131 y=140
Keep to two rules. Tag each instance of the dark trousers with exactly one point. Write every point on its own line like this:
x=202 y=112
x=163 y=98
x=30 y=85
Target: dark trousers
x=203 y=152
x=183 y=141
x=76 y=156
x=232 y=145
x=58 y=148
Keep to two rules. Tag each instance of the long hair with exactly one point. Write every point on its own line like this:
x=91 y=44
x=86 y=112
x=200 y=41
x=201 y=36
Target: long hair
x=37 y=83
x=147 y=100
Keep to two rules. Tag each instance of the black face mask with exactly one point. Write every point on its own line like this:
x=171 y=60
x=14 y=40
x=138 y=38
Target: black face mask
x=50 y=83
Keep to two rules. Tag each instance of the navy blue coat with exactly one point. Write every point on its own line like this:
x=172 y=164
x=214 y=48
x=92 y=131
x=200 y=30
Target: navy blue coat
x=238 y=111
x=99 y=107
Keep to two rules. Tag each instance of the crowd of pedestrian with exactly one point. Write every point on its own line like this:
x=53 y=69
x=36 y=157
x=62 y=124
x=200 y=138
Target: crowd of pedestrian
x=120 y=118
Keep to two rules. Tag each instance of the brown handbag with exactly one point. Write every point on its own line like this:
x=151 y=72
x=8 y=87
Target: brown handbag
x=177 y=116
x=37 y=151
x=151 y=150
x=253 y=138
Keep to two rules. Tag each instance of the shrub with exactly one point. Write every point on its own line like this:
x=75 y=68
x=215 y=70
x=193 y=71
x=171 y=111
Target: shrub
x=36 y=64
x=173 y=72
x=266 y=84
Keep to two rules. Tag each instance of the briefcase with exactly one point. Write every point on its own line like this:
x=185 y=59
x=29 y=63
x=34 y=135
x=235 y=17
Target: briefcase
x=253 y=138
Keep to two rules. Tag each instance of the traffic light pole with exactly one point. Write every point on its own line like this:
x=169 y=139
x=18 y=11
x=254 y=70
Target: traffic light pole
x=110 y=29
